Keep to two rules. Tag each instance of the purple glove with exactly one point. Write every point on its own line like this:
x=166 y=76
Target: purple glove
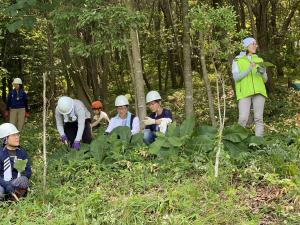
x=63 y=138
x=76 y=145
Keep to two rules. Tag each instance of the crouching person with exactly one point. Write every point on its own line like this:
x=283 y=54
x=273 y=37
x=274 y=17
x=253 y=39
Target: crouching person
x=99 y=115
x=73 y=122
x=158 y=120
x=123 y=117
x=12 y=182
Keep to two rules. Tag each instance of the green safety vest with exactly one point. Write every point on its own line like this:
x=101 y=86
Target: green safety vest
x=253 y=82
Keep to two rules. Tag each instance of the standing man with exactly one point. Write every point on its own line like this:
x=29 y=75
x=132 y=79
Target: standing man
x=73 y=122
x=17 y=105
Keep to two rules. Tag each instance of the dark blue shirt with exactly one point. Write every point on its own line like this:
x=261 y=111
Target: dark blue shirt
x=17 y=99
x=20 y=154
x=166 y=113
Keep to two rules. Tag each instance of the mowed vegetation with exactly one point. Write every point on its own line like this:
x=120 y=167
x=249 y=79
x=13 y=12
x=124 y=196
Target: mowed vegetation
x=99 y=49
x=117 y=182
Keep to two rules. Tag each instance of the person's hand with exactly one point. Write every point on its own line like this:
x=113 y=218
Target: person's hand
x=26 y=114
x=9 y=188
x=261 y=70
x=148 y=121
x=76 y=145
x=63 y=138
x=253 y=64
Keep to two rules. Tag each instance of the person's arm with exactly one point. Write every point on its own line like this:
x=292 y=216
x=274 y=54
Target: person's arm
x=110 y=126
x=59 y=123
x=237 y=75
x=265 y=77
x=2 y=181
x=105 y=116
x=135 y=125
x=96 y=122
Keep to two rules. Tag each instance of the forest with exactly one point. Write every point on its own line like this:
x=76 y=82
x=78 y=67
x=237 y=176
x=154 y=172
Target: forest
x=207 y=169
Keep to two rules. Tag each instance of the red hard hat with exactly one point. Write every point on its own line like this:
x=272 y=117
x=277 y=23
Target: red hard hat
x=97 y=105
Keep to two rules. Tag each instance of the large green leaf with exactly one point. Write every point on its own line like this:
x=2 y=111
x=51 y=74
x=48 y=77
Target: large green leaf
x=29 y=22
x=137 y=139
x=173 y=130
x=175 y=141
x=235 y=149
x=156 y=146
x=235 y=133
x=187 y=127
x=12 y=27
x=254 y=140
x=207 y=130
x=20 y=165
x=123 y=133
x=99 y=148
x=266 y=64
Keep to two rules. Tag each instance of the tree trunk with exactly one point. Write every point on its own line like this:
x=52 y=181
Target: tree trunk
x=206 y=82
x=137 y=67
x=188 y=83
x=249 y=6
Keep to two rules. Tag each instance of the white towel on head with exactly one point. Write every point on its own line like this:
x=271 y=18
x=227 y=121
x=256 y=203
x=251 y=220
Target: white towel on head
x=7 y=170
x=164 y=124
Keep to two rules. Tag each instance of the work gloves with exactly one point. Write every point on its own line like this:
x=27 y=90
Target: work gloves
x=76 y=145
x=148 y=121
x=63 y=138
x=261 y=70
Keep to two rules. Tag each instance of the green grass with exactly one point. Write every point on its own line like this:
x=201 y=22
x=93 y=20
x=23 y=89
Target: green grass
x=260 y=187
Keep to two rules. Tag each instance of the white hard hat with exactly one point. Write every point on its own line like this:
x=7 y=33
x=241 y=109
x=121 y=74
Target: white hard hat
x=17 y=81
x=7 y=129
x=121 y=100
x=65 y=105
x=152 y=96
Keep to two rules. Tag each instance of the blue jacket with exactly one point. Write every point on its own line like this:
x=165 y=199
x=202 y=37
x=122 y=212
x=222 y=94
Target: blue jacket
x=17 y=99
x=166 y=113
x=20 y=154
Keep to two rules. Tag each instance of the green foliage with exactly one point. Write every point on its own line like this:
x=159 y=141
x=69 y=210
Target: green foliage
x=176 y=137
x=266 y=64
x=20 y=165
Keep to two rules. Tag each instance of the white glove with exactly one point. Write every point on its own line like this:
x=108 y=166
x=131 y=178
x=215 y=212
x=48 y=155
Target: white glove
x=148 y=121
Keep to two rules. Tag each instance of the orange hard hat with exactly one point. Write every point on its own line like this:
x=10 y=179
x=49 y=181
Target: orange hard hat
x=97 y=105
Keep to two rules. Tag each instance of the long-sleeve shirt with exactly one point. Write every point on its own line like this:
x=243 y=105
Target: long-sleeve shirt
x=118 y=121
x=166 y=113
x=238 y=75
x=17 y=99
x=80 y=112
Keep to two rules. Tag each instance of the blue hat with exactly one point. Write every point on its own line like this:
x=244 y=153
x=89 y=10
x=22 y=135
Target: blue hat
x=247 y=41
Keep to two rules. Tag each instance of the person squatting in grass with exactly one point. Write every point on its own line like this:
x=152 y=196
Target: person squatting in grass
x=99 y=115
x=17 y=105
x=250 y=79
x=159 y=118
x=12 y=182
x=123 y=117
x=73 y=122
